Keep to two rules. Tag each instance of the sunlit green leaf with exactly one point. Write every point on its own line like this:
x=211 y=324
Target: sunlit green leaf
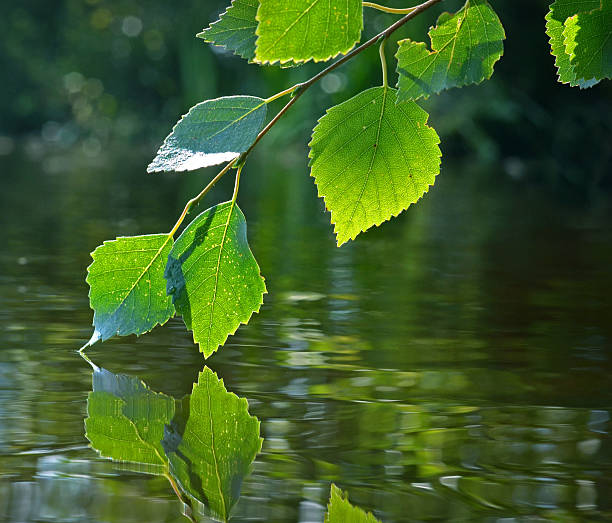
x=465 y=48
x=213 y=277
x=371 y=159
x=559 y=12
x=126 y=419
x=303 y=30
x=127 y=286
x=235 y=29
x=588 y=42
x=211 y=444
x=339 y=510
x=212 y=132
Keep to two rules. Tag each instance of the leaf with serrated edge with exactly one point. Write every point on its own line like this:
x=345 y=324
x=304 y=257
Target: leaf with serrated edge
x=126 y=420
x=465 y=48
x=371 y=159
x=213 y=277
x=588 y=42
x=235 y=29
x=303 y=30
x=127 y=286
x=339 y=510
x=211 y=133
x=559 y=12
x=211 y=444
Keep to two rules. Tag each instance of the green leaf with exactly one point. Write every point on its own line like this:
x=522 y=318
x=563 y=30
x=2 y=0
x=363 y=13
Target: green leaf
x=465 y=48
x=339 y=510
x=211 y=444
x=213 y=277
x=126 y=419
x=127 y=286
x=303 y=30
x=235 y=29
x=371 y=159
x=559 y=12
x=212 y=132
x=588 y=42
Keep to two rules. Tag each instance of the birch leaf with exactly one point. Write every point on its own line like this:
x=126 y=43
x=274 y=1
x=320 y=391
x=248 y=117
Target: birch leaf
x=212 y=132
x=465 y=49
x=213 y=277
x=235 y=29
x=127 y=286
x=303 y=30
x=371 y=159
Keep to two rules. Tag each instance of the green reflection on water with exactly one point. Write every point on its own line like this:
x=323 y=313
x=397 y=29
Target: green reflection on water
x=204 y=443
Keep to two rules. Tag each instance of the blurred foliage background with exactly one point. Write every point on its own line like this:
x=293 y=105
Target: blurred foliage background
x=95 y=74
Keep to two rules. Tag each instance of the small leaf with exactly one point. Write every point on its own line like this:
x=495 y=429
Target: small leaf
x=559 y=12
x=303 y=30
x=371 y=159
x=588 y=42
x=126 y=419
x=235 y=29
x=127 y=286
x=465 y=48
x=212 y=132
x=339 y=510
x=213 y=277
x=211 y=444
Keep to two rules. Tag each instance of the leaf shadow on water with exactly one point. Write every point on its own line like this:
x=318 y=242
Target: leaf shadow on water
x=176 y=285
x=203 y=443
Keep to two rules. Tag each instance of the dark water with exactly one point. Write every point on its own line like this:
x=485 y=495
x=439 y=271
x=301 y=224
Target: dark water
x=454 y=365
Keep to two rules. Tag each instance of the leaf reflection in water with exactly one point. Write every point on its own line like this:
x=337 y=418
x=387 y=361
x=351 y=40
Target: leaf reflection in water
x=204 y=443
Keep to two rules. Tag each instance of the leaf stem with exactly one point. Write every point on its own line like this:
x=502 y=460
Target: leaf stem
x=203 y=193
x=386 y=9
x=237 y=183
x=383 y=61
x=281 y=94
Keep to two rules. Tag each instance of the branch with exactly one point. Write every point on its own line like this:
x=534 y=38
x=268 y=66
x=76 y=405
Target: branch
x=297 y=91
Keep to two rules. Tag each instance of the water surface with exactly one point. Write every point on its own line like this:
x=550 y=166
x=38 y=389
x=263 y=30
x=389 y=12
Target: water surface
x=452 y=365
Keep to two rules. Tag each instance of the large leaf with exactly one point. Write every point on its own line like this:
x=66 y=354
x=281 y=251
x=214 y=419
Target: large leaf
x=212 y=132
x=465 y=48
x=235 y=29
x=371 y=159
x=303 y=30
x=588 y=42
x=126 y=419
x=211 y=444
x=213 y=277
x=559 y=12
x=339 y=510
x=127 y=286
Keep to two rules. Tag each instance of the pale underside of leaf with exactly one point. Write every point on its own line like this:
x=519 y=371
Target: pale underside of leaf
x=588 y=42
x=339 y=510
x=465 y=48
x=127 y=286
x=211 y=447
x=303 y=30
x=560 y=11
x=371 y=159
x=212 y=132
x=235 y=29
x=213 y=277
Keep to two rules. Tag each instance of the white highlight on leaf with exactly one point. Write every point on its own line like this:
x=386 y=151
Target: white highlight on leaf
x=186 y=160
